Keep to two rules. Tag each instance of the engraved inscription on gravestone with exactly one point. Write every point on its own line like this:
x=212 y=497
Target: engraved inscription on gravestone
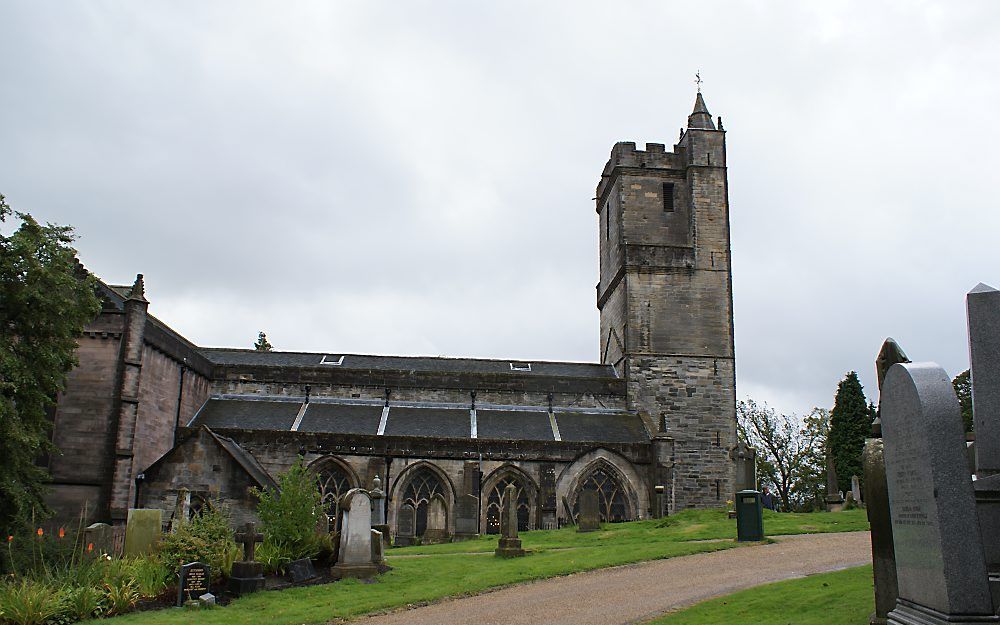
x=939 y=554
x=194 y=580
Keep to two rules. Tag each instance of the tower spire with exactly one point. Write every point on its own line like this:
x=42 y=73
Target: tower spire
x=700 y=117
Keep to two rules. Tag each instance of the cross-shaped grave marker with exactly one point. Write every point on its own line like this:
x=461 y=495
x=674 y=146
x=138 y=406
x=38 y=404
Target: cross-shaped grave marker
x=249 y=537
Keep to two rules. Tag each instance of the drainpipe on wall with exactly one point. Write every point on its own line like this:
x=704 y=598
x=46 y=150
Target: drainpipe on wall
x=180 y=395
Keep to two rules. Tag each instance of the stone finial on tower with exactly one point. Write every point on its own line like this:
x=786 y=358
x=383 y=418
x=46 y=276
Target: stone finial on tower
x=138 y=291
x=700 y=117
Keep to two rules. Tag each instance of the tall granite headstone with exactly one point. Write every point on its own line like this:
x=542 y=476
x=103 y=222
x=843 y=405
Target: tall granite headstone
x=939 y=553
x=467 y=503
x=590 y=517
x=142 y=531
x=406 y=525
x=509 y=545
x=355 y=556
x=378 y=510
x=877 y=499
x=983 y=307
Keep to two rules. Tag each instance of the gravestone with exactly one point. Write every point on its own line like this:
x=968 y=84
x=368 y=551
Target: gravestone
x=378 y=509
x=547 y=496
x=378 y=549
x=877 y=498
x=193 y=581
x=355 y=556
x=877 y=507
x=856 y=489
x=509 y=545
x=247 y=575
x=405 y=528
x=142 y=531
x=983 y=307
x=437 y=521
x=940 y=568
x=467 y=503
x=590 y=517
x=98 y=539
x=570 y=520
x=834 y=498
x=301 y=570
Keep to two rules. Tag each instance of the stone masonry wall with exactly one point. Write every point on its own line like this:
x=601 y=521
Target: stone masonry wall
x=80 y=467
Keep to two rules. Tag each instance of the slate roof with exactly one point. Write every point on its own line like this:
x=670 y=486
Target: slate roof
x=243 y=458
x=241 y=357
x=435 y=420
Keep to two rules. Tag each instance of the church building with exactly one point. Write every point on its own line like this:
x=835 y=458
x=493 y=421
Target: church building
x=150 y=420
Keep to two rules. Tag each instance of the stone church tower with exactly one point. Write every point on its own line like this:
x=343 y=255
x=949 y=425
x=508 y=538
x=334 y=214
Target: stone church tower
x=665 y=298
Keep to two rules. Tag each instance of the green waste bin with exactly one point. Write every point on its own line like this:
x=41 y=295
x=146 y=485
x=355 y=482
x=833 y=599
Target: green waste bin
x=749 y=516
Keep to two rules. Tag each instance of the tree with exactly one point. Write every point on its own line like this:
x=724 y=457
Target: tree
x=262 y=345
x=963 y=388
x=291 y=514
x=789 y=450
x=850 y=423
x=46 y=298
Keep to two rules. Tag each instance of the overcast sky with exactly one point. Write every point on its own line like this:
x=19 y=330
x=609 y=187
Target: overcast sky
x=416 y=177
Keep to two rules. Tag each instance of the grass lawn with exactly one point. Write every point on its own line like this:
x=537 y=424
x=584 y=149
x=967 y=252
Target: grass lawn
x=428 y=573
x=838 y=598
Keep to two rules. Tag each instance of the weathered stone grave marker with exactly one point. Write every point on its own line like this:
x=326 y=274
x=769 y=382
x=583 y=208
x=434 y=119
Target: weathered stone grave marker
x=142 y=531
x=509 y=545
x=590 y=517
x=940 y=566
x=355 y=556
x=437 y=521
x=193 y=580
x=98 y=539
x=248 y=575
x=856 y=489
x=301 y=570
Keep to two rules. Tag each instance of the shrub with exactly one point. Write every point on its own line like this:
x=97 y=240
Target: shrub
x=83 y=602
x=274 y=556
x=207 y=538
x=149 y=574
x=290 y=514
x=30 y=602
x=120 y=596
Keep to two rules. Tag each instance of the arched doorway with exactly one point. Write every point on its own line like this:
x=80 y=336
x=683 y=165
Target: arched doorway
x=494 y=502
x=422 y=488
x=612 y=495
x=333 y=481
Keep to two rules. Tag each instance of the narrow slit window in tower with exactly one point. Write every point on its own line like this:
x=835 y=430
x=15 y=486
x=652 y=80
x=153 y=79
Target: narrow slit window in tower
x=668 y=197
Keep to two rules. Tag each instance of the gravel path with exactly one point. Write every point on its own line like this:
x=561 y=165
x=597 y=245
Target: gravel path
x=639 y=592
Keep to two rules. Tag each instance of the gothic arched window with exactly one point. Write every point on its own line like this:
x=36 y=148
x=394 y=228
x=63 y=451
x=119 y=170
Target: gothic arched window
x=334 y=482
x=494 y=504
x=612 y=500
x=421 y=488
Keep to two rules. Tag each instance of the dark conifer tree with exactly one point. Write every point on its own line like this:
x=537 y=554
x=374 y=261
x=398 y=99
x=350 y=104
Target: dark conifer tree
x=850 y=423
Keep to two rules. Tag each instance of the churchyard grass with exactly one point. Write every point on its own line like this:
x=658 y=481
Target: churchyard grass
x=838 y=598
x=427 y=573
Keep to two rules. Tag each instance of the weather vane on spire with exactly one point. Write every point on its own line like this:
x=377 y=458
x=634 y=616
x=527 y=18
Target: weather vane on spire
x=698 y=80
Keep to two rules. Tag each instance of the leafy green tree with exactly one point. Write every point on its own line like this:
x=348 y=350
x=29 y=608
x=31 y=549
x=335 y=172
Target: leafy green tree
x=46 y=298
x=963 y=388
x=262 y=345
x=850 y=423
x=291 y=514
x=789 y=450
